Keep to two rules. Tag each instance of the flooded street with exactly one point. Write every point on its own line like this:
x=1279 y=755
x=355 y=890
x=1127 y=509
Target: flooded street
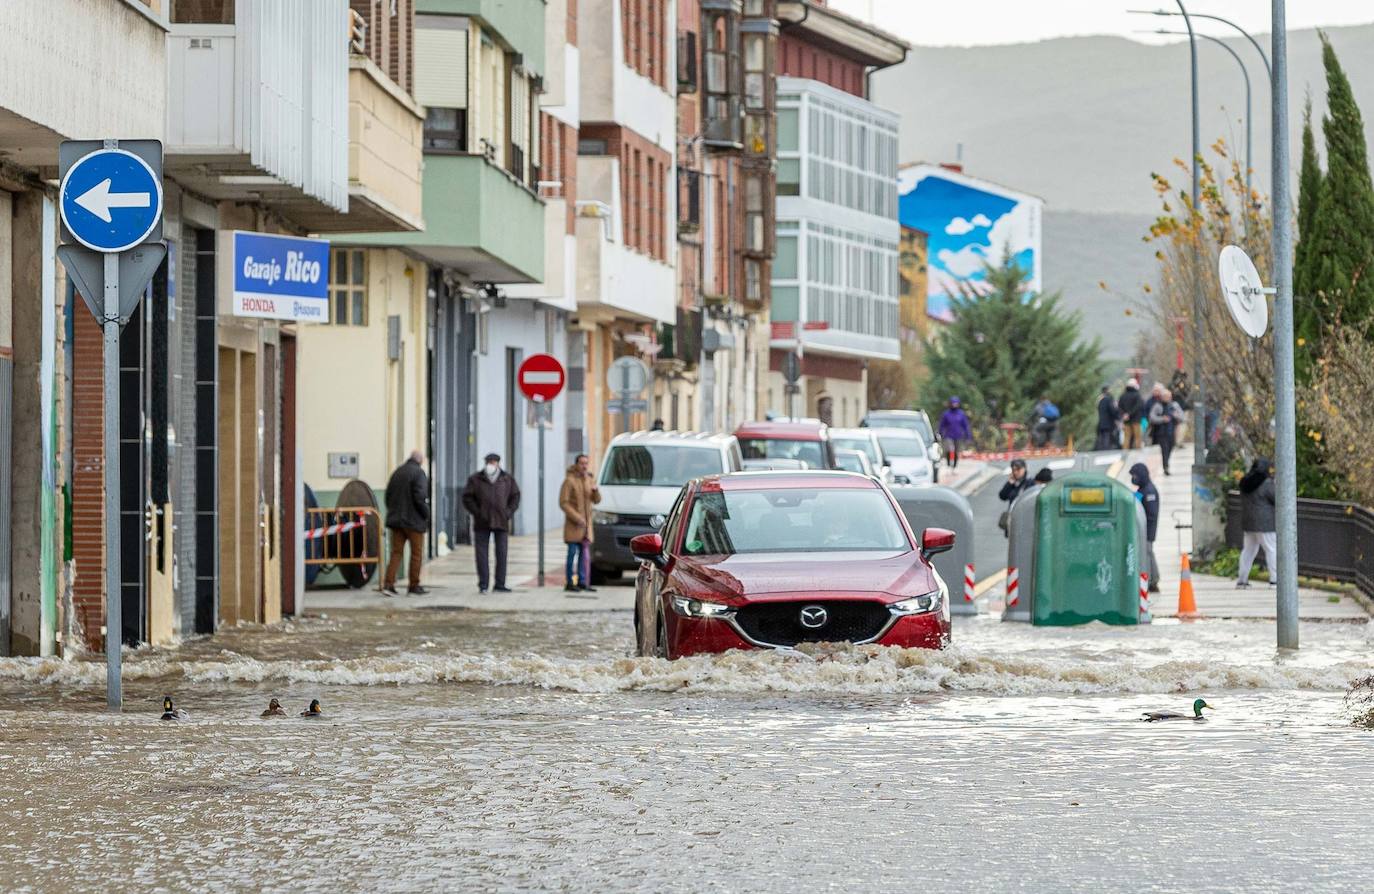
x=473 y=751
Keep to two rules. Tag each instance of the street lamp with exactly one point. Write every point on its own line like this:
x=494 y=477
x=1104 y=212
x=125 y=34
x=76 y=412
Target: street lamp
x=1246 y=74
x=1268 y=70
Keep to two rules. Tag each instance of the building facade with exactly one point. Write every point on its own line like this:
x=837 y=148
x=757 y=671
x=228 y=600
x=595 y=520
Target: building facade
x=835 y=280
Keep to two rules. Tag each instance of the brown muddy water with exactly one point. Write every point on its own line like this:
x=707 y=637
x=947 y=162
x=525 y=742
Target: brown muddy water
x=475 y=751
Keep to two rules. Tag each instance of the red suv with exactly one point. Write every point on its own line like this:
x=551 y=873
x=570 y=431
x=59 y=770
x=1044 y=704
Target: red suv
x=808 y=442
x=776 y=559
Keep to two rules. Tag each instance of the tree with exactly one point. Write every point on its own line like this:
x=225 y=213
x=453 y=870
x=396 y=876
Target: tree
x=1004 y=352
x=1309 y=191
x=1338 y=257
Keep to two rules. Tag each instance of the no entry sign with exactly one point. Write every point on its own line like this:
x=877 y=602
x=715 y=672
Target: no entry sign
x=541 y=377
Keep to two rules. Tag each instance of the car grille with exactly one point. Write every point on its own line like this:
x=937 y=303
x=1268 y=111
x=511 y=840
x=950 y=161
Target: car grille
x=636 y=521
x=779 y=623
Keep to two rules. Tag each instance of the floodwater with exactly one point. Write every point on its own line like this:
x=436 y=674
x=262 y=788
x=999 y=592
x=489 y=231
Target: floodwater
x=473 y=751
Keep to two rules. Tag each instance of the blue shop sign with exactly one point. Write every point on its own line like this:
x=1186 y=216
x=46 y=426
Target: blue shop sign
x=281 y=277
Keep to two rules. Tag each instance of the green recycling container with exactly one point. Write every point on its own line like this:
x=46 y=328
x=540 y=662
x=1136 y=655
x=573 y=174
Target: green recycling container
x=1087 y=552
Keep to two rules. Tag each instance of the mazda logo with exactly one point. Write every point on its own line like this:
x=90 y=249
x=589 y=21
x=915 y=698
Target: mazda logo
x=814 y=616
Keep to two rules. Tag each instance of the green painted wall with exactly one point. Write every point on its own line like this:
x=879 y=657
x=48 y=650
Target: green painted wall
x=520 y=23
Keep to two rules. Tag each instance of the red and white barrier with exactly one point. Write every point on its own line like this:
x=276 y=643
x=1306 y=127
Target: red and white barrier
x=968 y=582
x=316 y=533
x=1144 y=597
x=1013 y=587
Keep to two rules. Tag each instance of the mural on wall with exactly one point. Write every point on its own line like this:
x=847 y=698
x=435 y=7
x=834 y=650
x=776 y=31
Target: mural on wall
x=969 y=223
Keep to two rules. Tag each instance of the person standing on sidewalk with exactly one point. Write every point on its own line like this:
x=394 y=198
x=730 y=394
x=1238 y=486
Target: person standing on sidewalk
x=954 y=428
x=1011 y=489
x=576 y=498
x=407 y=520
x=1107 y=415
x=1132 y=410
x=491 y=498
x=1165 y=415
x=1148 y=495
x=1257 y=521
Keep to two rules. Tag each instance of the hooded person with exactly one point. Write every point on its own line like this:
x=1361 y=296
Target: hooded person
x=576 y=498
x=1257 y=521
x=954 y=427
x=1131 y=406
x=1148 y=495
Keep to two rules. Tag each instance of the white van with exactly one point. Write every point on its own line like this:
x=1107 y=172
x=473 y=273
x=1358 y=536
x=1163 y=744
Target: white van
x=640 y=478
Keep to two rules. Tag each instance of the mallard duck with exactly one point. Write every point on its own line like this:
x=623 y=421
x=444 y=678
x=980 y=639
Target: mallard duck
x=1198 y=705
x=274 y=709
x=171 y=712
x=314 y=709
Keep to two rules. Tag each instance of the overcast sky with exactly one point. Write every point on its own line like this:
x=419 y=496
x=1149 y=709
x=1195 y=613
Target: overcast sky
x=976 y=22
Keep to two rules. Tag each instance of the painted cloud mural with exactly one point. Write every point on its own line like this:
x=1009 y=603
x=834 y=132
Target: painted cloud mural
x=969 y=223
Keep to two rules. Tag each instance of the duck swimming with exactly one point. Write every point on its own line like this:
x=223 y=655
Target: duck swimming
x=314 y=710
x=1198 y=705
x=171 y=712
x=274 y=709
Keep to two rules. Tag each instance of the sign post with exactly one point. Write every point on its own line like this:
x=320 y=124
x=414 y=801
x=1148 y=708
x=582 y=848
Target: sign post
x=541 y=379
x=627 y=377
x=110 y=200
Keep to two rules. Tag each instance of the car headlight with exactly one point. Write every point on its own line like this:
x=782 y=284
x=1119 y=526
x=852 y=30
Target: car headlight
x=605 y=518
x=700 y=608
x=920 y=605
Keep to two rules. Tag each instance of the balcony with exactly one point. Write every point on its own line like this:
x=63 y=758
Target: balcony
x=614 y=281
x=258 y=110
x=479 y=220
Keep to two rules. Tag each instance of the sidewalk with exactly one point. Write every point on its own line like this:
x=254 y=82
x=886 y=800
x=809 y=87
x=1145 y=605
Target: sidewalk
x=452 y=582
x=1217 y=597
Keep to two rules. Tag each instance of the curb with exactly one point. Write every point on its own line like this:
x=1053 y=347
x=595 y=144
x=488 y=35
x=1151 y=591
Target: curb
x=972 y=484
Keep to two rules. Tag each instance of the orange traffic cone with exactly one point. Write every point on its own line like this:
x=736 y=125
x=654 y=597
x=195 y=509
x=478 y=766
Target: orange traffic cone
x=1187 y=605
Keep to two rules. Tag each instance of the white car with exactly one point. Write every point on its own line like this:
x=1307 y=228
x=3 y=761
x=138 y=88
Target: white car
x=865 y=441
x=906 y=455
x=911 y=420
x=640 y=477
x=855 y=461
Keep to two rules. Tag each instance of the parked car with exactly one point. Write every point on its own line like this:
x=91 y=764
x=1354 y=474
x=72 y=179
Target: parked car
x=805 y=441
x=865 y=441
x=917 y=421
x=854 y=461
x=772 y=465
x=906 y=456
x=641 y=475
x=776 y=559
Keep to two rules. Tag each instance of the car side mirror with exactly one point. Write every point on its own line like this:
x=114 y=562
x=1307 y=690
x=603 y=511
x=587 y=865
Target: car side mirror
x=648 y=547
x=936 y=540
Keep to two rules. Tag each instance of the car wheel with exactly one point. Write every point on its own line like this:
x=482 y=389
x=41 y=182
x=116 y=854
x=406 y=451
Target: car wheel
x=661 y=640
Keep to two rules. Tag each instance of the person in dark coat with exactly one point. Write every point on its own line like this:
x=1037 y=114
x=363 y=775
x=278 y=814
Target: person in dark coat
x=407 y=519
x=1148 y=495
x=1108 y=414
x=491 y=498
x=954 y=428
x=1016 y=482
x=1131 y=407
x=1165 y=416
x=1257 y=521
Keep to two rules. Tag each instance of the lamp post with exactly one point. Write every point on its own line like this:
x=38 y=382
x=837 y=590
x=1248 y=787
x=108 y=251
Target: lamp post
x=1268 y=70
x=1245 y=73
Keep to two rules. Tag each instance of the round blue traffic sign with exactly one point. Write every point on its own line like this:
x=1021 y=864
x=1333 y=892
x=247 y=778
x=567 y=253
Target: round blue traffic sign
x=111 y=200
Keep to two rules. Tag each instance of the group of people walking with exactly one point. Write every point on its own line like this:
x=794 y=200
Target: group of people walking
x=1123 y=422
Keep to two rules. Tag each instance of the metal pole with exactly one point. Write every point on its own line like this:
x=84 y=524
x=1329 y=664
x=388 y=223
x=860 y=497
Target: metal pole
x=539 y=421
x=1284 y=425
x=1268 y=71
x=114 y=620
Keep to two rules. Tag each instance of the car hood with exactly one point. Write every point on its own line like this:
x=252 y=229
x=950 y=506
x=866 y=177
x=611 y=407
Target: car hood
x=746 y=578
x=637 y=499
x=907 y=465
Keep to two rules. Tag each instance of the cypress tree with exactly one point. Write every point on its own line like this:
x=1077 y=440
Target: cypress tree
x=1003 y=353
x=1309 y=190
x=1339 y=255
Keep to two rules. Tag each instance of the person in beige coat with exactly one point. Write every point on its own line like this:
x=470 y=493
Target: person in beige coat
x=576 y=498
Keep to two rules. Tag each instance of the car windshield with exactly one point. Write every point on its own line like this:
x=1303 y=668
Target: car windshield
x=659 y=465
x=917 y=424
x=849 y=460
x=800 y=520
x=808 y=452
x=863 y=445
x=898 y=446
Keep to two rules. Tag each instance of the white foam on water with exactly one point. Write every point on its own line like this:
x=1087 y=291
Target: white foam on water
x=820 y=669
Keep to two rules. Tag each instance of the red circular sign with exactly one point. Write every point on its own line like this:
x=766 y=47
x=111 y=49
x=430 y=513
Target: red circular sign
x=541 y=377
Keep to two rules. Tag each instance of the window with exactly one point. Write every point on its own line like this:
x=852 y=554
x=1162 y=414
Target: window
x=348 y=291
x=593 y=147
x=203 y=12
x=755 y=217
x=687 y=62
x=789 y=176
x=446 y=130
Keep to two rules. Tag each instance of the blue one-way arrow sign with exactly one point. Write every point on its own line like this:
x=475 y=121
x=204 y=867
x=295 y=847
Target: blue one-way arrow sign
x=111 y=200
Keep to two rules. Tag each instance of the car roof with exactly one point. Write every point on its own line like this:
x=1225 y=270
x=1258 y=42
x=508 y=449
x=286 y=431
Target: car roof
x=893 y=432
x=786 y=480
x=863 y=433
x=911 y=413
x=673 y=439
x=783 y=431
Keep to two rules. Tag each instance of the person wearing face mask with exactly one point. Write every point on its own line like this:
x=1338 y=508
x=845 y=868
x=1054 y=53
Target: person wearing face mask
x=491 y=498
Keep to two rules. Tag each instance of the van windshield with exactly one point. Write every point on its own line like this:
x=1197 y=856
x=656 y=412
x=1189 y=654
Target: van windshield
x=808 y=452
x=659 y=465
